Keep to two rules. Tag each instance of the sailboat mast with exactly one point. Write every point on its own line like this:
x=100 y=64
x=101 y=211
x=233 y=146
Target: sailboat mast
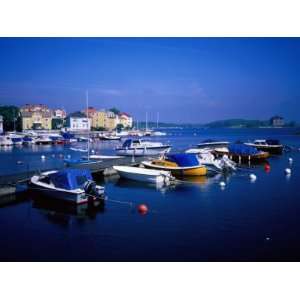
x=157 y=119
x=87 y=114
x=146 y=121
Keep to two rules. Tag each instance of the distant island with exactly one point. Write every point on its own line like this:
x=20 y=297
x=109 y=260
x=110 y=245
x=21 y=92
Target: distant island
x=274 y=122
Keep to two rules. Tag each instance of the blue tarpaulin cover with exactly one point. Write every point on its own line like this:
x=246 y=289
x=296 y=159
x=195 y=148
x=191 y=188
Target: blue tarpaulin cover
x=71 y=179
x=67 y=135
x=242 y=149
x=127 y=143
x=183 y=159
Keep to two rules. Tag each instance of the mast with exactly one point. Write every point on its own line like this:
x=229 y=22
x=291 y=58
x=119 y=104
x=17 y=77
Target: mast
x=146 y=121
x=87 y=114
x=157 y=119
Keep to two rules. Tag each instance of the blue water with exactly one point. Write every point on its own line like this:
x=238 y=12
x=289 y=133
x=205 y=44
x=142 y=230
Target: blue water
x=193 y=221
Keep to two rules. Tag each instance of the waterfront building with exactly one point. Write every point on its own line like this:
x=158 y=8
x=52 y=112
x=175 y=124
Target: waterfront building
x=277 y=121
x=98 y=119
x=59 y=113
x=125 y=119
x=36 y=116
x=78 y=121
x=1 y=124
x=111 y=120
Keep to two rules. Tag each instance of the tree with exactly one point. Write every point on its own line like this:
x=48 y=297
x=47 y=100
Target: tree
x=11 y=118
x=119 y=127
x=57 y=123
x=115 y=110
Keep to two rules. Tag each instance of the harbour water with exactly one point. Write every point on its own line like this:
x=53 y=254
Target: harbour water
x=192 y=221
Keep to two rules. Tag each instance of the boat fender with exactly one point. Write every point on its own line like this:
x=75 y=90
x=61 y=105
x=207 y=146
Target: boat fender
x=252 y=177
x=43 y=157
x=222 y=184
x=290 y=160
x=288 y=171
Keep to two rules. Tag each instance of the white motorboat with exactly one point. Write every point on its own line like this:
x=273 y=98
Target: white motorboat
x=144 y=175
x=159 y=133
x=101 y=157
x=141 y=148
x=212 y=163
x=72 y=185
x=5 y=141
x=43 y=140
x=110 y=137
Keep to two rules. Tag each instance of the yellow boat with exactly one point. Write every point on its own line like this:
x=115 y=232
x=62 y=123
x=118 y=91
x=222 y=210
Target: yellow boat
x=178 y=164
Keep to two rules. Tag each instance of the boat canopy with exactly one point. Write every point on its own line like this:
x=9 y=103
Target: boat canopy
x=273 y=142
x=70 y=179
x=67 y=135
x=183 y=159
x=242 y=149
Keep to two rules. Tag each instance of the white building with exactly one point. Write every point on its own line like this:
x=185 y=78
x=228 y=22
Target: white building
x=1 y=124
x=78 y=122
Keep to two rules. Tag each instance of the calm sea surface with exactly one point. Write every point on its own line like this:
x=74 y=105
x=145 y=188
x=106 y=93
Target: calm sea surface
x=193 y=221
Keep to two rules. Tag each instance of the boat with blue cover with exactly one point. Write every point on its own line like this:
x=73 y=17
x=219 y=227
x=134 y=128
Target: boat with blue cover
x=270 y=145
x=139 y=147
x=243 y=153
x=181 y=164
x=72 y=185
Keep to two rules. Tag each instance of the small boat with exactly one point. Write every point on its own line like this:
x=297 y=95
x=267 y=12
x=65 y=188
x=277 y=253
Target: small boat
x=109 y=137
x=272 y=146
x=68 y=138
x=183 y=164
x=243 y=153
x=56 y=139
x=101 y=157
x=158 y=133
x=207 y=159
x=43 y=140
x=212 y=144
x=16 y=139
x=5 y=141
x=144 y=175
x=71 y=185
x=83 y=139
x=27 y=140
x=141 y=148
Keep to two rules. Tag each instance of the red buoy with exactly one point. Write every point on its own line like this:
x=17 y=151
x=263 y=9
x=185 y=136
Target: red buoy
x=267 y=168
x=142 y=209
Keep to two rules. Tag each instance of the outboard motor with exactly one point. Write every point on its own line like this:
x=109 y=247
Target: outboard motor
x=91 y=189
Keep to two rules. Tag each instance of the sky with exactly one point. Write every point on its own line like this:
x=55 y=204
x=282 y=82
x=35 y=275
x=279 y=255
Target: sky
x=194 y=80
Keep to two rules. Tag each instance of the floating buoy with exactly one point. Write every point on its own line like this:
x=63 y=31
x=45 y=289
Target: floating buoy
x=267 y=168
x=93 y=151
x=19 y=162
x=43 y=157
x=252 y=177
x=222 y=184
x=69 y=156
x=53 y=155
x=268 y=239
x=142 y=209
x=288 y=171
x=290 y=160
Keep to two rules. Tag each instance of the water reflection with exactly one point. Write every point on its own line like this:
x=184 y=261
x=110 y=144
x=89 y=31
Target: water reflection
x=61 y=213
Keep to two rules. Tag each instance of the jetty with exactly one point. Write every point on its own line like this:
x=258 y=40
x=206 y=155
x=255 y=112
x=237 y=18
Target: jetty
x=10 y=183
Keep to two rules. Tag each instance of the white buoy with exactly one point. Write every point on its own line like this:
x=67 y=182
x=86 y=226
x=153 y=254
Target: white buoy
x=222 y=184
x=252 y=177
x=288 y=171
x=43 y=157
x=69 y=156
x=290 y=160
x=93 y=151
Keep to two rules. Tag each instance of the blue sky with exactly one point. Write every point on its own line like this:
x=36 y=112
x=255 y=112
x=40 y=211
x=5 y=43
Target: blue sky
x=184 y=79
